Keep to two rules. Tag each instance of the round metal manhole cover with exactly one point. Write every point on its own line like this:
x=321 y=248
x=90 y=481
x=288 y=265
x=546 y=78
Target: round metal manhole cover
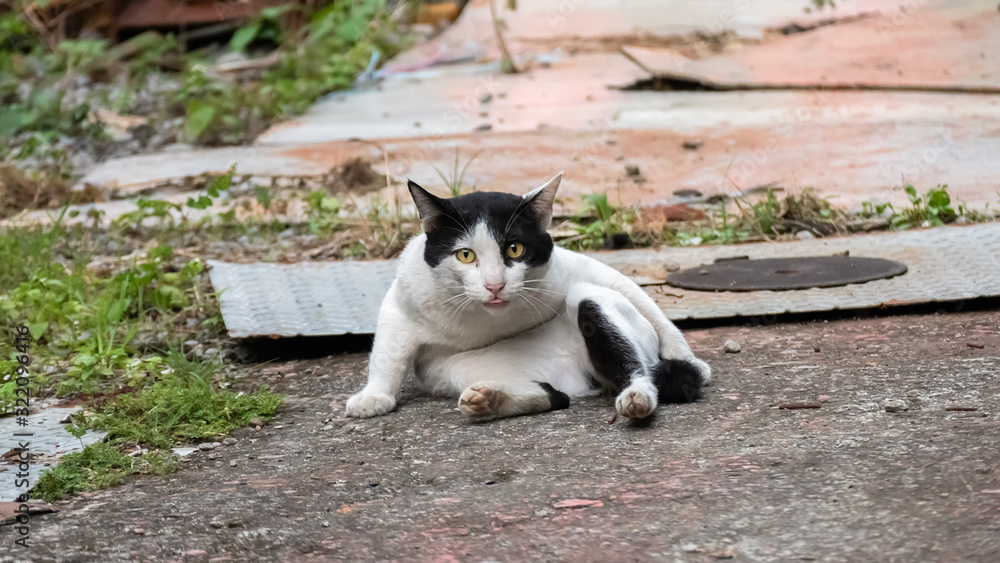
x=777 y=274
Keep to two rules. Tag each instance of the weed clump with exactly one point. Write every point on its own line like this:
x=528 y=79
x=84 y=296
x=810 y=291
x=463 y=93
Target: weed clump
x=600 y=225
x=932 y=209
x=98 y=466
x=184 y=406
x=85 y=323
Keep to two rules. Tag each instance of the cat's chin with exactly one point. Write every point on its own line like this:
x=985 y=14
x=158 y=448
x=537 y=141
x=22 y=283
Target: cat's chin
x=496 y=307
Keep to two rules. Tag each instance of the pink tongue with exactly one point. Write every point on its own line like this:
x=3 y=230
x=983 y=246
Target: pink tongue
x=497 y=300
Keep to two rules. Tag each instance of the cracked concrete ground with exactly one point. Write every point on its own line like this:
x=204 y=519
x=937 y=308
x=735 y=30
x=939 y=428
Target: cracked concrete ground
x=730 y=477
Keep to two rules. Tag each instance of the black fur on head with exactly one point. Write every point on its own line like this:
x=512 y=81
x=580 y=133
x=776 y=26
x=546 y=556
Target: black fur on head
x=509 y=218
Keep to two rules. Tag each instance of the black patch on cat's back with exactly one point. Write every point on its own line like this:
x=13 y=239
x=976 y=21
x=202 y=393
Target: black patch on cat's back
x=508 y=218
x=610 y=352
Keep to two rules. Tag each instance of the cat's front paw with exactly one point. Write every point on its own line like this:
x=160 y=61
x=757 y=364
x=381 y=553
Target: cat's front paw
x=367 y=405
x=481 y=401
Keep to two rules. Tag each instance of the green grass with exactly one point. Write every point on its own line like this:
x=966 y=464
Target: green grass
x=184 y=405
x=98 y=466
x=85 y=324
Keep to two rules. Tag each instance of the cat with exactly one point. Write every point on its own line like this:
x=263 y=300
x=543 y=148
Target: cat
x=485 y=307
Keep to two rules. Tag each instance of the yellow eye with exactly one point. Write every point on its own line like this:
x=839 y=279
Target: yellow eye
x=515 y=249
x=466 y=256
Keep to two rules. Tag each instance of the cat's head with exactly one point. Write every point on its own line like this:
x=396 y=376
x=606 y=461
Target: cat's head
x=489 y=247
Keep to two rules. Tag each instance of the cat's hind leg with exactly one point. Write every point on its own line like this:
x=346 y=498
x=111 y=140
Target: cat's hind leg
x=536 y=371
x=488 y=399
x=623 y=349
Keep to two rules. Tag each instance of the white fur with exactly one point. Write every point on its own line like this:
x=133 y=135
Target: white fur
x=435 y=321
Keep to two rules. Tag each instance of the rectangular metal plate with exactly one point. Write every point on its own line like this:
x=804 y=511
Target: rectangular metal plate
x=944 y=264
x=331 y=298
x=304 y=299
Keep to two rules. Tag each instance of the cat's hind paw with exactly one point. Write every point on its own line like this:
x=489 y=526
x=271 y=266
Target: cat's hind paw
x=367 y=405
x=481 y=401
x=703 y=370
x=636 y=403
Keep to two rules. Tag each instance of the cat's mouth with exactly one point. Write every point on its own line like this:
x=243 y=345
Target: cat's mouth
x=496 y=302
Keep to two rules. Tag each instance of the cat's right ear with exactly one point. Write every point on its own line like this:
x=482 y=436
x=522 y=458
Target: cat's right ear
x=430 y=208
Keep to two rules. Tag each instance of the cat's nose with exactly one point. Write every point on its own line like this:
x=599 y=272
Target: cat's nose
x=495 y=288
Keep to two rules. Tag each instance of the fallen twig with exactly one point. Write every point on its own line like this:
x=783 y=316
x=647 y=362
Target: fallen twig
x=796 y=406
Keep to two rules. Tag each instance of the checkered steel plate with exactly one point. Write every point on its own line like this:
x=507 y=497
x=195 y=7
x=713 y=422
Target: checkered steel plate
x=305 y=299
x=330 y=298
x=944 y=264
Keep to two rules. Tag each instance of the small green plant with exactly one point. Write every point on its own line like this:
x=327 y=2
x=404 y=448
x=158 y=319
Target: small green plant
x=74 y=54
x=762 y=216
x=323 y=212
x=821 y=4
x=932 y=209
x=455 y=182
x=263 y=196
x=162 y=211
x=597 y=222
x=266 y=26
x=220 y=184
x=723 y=228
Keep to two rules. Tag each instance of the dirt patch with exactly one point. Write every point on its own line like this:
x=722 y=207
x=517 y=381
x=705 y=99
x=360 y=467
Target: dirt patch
x=356 y=176
x=40 y=190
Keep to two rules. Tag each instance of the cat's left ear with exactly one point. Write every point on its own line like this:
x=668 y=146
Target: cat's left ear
x=540 y=200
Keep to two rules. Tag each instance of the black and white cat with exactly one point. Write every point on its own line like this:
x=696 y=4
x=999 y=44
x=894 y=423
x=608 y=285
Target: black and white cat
x=485 y=307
